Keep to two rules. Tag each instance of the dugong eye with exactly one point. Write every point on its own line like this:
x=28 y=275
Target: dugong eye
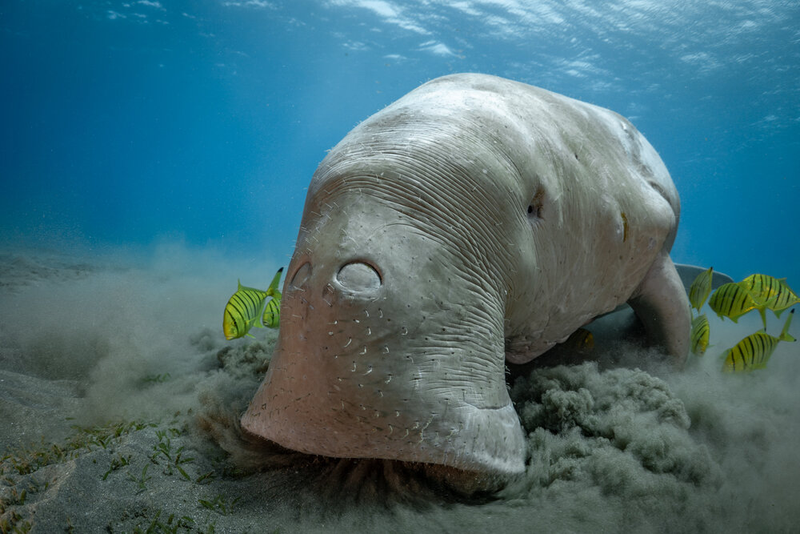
x=537 y=204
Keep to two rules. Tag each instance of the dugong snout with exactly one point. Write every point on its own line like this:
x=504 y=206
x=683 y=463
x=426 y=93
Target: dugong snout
x=371 y=364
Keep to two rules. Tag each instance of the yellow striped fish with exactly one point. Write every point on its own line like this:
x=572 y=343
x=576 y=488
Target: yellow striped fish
x=272 y=311
x=786 y=299
x=754 y=351
x=700 y=332
x=731 y=300
x=581 y=340
x=243 y=312
x=770 y=292
x=764 y=291
x=700 y=289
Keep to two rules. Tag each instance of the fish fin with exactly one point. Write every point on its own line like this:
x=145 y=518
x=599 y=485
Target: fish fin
x=273 y=286
x=257 y=320
x=662 y=305
x=250 y=335
x=785 y=332
x=689 y=272
x=763 y=312
x=245 y=288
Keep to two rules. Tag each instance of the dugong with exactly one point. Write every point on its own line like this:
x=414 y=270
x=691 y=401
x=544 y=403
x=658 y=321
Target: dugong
x=475 y=221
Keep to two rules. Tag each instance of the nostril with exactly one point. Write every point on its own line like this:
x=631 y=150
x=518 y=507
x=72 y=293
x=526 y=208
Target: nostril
x=358 y=276
x=301 y=275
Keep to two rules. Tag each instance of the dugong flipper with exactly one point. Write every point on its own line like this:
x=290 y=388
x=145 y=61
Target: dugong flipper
x=475 y=221
x=660 y=302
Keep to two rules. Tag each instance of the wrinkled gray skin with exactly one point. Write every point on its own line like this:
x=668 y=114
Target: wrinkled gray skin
x=474 y=221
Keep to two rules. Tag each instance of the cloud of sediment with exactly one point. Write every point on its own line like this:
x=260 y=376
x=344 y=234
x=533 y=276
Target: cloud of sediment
x=639 y=447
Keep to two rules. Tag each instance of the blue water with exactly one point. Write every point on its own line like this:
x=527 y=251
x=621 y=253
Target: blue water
x=187 y=132
x=126 y=123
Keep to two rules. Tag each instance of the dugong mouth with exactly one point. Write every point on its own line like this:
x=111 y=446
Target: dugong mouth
x=356 y=375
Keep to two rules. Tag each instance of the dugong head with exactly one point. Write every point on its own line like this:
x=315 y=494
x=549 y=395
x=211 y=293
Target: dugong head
x=392 y=323
x=475 y=220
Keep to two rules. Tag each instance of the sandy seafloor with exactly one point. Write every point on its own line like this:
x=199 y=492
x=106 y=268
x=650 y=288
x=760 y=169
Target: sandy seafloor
x=119 y=402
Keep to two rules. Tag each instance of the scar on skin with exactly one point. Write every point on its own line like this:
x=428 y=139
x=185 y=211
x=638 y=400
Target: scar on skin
x=624 y=227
